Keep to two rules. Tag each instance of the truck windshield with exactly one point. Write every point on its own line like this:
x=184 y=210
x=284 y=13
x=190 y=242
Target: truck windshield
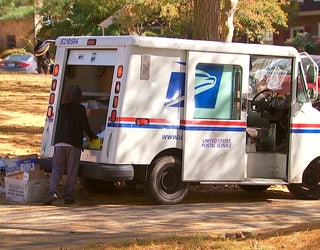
x=269 y=72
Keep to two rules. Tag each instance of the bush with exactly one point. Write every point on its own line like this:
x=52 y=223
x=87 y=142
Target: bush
x=7 y=52
x=304 y=42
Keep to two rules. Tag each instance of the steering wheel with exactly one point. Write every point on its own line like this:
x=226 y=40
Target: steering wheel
x=264 y=102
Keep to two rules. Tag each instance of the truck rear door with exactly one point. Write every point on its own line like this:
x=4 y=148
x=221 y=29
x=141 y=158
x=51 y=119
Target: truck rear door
x=93 y=71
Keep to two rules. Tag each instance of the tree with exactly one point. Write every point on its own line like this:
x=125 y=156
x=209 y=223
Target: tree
x=16 y=9
x=227 y=14
x=169 y=18
x=251 y=19
x=206 y=20
x=199 y=19
x=75 y=17
x=254 y=19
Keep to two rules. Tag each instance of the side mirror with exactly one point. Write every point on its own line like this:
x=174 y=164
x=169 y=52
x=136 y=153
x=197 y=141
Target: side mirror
x=312 y=94
x=311 y=74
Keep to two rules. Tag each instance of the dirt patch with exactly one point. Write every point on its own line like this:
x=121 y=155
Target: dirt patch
x=23 y=105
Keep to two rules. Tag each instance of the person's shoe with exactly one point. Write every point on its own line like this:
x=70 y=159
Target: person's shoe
x=50 y=198
x=69 y=201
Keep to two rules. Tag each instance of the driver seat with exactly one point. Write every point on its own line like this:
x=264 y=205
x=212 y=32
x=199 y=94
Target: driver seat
x=257 y=125
x=256 y=130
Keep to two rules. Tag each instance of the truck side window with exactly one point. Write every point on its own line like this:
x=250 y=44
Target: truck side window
x=301 y=89
x=217 y=91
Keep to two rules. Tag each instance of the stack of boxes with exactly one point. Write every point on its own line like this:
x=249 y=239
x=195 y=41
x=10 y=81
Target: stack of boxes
x=24 y=180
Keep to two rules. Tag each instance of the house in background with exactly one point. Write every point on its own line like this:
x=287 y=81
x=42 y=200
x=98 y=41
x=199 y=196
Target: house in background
x=19 y=33
x=308 y=19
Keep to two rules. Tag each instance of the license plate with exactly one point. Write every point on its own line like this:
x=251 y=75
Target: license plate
x=11 y=65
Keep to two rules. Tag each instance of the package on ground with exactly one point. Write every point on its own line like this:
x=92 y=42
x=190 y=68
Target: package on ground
x=31 y=175
x=34 y=175
x=21 y=163
x=26 y=187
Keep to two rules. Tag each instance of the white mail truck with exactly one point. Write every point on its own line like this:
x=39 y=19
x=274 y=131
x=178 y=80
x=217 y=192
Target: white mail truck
x=172 y=112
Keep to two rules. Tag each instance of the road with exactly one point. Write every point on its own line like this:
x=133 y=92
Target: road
x=105 y=218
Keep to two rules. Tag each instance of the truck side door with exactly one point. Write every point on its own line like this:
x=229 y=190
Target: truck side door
x=214 y=122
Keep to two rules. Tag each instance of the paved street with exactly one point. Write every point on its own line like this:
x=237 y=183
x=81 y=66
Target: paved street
x=104 y=218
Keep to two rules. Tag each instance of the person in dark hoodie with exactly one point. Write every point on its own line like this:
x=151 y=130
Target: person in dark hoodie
x=68 y=143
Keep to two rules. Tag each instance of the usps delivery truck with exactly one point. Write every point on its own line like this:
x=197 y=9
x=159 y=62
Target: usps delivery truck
x=171 y=112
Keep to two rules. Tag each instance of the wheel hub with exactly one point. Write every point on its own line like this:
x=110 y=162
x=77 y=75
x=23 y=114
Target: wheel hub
x=169 y=181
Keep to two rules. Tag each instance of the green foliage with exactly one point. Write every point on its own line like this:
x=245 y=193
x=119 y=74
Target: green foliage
x=12 y=51
x=75 y=17
x=256 y=18
x=170 y=18
x=304 y=42
x=15 y=9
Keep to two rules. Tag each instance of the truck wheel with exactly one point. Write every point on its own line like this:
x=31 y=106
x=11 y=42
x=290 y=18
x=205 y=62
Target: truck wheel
x=97 y=186
x=164 y=184
x=301 y=192
x=310 y=186
x=254 y=188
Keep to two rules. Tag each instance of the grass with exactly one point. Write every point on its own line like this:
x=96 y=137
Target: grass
x=304 y=236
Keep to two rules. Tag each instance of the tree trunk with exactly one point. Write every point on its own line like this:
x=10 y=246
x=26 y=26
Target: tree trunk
x=206 y=20
x=227 y=20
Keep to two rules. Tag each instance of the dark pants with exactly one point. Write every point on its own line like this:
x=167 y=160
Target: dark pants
x=65 y=161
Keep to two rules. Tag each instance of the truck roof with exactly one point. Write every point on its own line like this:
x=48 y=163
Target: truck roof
x=175 y=43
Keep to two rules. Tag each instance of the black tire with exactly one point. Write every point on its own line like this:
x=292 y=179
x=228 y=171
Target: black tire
x=309 y=189
x=97 y=186
x=254 y=188
x=301 y=192
x=164 y=184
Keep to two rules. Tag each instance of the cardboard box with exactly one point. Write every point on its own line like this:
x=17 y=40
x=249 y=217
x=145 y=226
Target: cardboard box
x=17 y=176
x=21 y=163
x=34 y=175
x=21 y=190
